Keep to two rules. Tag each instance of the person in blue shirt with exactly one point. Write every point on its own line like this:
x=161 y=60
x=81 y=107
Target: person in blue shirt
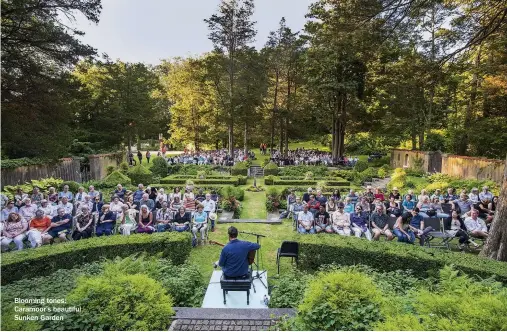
x=120 y=192
x=138 y=194
x=416 y=225
x=61 y=224
x=408 y=204
x=66 y=193
x=234 y=256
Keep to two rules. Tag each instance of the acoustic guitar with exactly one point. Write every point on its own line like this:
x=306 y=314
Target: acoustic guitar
x=251 y=253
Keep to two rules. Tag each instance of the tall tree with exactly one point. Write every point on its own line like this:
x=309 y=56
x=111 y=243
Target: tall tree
x=231 y=30
x=37 y=50
x=120 y=100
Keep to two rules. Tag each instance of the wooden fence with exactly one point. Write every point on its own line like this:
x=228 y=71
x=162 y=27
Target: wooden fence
x=459 y=166
x=67 y=169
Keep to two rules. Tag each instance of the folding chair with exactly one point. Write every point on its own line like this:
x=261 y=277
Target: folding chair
x=447 y=208
x=437 y=233
x=288 y=249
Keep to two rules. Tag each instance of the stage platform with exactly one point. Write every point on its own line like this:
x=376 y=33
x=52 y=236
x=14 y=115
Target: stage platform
x=235 y=300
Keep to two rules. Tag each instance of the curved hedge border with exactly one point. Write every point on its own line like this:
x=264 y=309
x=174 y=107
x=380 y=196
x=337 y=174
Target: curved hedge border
x=47 y=259
x=320 y=249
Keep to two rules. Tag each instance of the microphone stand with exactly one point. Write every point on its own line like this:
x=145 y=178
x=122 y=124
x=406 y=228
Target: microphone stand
x=256 y=262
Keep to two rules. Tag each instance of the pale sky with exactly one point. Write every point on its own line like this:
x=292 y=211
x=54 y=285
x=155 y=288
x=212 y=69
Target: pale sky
x=150 y=30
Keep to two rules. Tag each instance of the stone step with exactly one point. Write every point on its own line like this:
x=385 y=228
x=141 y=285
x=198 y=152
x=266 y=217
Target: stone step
x=208 y=319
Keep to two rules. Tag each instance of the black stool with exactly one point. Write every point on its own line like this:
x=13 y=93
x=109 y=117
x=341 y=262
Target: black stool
x=236 y=285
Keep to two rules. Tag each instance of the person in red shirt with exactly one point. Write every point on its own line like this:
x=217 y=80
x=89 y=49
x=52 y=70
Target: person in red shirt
x=379 y=194
x=313 y=204
x=39 y=226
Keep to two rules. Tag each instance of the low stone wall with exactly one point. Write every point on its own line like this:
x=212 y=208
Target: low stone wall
x=67 y=169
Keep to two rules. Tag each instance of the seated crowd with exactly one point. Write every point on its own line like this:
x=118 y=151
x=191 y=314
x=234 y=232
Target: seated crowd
x=64 y=216
x=466 y=217
x=302 y=156
x=216 y=157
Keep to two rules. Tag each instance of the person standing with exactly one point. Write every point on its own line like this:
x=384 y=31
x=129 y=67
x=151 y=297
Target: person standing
x=148 y=156
x=140 y=157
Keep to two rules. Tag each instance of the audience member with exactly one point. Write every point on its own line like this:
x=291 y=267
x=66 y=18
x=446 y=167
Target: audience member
x=14 y=229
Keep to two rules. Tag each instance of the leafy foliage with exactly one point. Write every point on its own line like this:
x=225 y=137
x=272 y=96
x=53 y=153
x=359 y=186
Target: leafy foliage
x=140 y=174
x=239 y=168
x=116 y=177
x=289 y=290
x=271 y=169
x=360 y=166
x=119 y=302
x=15 y=163
x=340 y=301
x=318 y=171
x=159 y=167
x=456 y=303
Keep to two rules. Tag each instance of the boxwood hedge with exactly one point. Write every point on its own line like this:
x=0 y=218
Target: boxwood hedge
x=233 y=181
x=320 y=249
x=270 y=180
x=47 y=259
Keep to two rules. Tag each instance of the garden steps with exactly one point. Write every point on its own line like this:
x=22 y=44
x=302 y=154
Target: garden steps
x=208 y=319
x=378 y=183
x=256 y=171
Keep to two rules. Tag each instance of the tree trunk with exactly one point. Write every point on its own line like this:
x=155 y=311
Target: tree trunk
x=333 y=130
x=246 y=139
x=469 y=117
x=496 y=245
x=286 y=136
x=421 y=139
x=273 y=114
x=414 y=140
x=281 y=135
x=341 y=129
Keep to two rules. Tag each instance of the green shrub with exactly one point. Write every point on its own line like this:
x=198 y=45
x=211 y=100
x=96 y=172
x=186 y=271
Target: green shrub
x=307 y=183
x=110 y=169
x=346 y=174
x=73 y=186
x=289 y=290
x=437 y=185
x=140 y=174
x=318 y=250
x=159 y=167
x=456 y=303
x=47 y=259
x=271 y=169
x=308 y=176
x=360 y=166
x=14 y=163
x=191 y=169
x=116 y=178
x=439 y=177
x=123 y=167
x=381 y=173
x=239 y=168
x=9 y=323
x=410 y=184
x=229 y=191
x=241 y=180
x=183 y=282
x=265 y=162
x=367 y=175
x=398 y=179
x=384 y=161
x=42 y=184
x=119 y=302
x=338 y=301
x=268 y=180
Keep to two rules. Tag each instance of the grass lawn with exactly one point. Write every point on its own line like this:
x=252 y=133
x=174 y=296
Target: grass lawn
x=254 y=205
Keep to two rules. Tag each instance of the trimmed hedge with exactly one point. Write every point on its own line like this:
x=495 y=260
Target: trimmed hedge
x=140 y=174
x=271 y=169
x=15 y=163
x=240 y=168
x=178 y=176
x=196 y=188
x=47 y=259
x=233 y=181
x=321 y=249
x=277 y=182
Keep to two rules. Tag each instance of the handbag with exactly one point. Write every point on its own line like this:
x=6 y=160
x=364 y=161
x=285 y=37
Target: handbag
x=431 y=212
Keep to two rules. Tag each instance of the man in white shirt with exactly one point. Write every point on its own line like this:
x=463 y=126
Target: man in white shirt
x=305 y=221
x=28 y=210
x=48 y=209
x=486 y=194
x=64 y=204
x=209 y=207
x=476 y=226
x=80 y=196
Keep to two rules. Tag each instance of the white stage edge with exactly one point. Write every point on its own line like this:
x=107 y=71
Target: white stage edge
x=235 y=300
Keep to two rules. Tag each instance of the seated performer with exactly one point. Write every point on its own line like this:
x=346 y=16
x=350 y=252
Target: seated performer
x=234 y=256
